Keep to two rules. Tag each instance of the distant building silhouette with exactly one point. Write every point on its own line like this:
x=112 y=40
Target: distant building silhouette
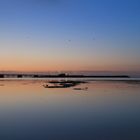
x=1 y=75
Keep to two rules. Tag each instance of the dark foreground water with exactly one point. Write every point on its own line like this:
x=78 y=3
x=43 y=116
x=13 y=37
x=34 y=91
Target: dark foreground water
x=108 y=110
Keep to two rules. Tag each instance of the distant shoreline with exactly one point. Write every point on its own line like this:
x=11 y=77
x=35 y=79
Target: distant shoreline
x=60 y=76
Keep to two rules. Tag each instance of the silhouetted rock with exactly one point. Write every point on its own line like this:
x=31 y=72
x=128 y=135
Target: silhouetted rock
x=62 y=84
x=86 y=88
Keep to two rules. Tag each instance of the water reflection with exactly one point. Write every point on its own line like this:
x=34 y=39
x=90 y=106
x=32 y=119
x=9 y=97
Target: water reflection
x=107 y=110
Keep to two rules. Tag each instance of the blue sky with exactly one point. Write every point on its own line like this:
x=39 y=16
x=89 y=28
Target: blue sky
x=70 y=35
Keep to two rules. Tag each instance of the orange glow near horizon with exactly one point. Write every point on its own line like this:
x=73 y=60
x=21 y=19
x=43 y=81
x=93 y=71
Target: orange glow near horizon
x=16 y=57
x=56 y=63
x=34 y=66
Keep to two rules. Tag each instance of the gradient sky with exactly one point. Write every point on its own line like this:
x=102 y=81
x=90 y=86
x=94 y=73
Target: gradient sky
x=54 y=35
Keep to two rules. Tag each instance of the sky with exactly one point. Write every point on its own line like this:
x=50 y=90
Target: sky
x=75 y=35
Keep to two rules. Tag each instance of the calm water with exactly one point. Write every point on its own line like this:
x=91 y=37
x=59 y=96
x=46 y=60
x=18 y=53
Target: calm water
x=108 y=110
